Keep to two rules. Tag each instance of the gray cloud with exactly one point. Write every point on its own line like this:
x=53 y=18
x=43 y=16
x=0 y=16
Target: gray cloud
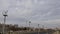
x=35 y=10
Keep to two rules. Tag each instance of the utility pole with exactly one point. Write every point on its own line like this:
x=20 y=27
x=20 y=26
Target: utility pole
x=5 y=15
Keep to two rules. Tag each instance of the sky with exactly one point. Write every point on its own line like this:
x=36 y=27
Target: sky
x=43 y=12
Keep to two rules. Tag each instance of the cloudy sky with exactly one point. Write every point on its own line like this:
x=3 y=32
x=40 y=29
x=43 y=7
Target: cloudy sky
x=43 y=12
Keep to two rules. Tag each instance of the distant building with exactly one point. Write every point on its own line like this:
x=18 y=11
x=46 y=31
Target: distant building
x=16 y=25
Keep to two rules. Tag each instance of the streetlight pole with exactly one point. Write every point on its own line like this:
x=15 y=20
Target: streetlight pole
x=5 y=15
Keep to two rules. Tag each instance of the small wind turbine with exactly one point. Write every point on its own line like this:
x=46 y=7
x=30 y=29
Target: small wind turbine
x=5 y=15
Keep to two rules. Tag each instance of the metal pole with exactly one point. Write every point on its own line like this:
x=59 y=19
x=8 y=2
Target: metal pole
x=5 y=15
x=4 y=24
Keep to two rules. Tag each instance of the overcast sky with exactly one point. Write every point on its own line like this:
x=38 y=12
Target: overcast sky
x=43 y=12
